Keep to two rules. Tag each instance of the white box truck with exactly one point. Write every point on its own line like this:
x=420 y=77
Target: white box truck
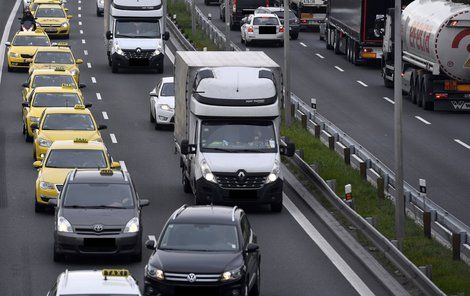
x=227 y=127
x=134 y=34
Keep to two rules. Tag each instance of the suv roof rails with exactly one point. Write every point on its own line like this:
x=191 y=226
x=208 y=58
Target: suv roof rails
x=179 y=211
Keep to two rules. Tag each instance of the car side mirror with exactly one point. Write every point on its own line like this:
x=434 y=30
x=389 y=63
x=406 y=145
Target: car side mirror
x=115 y=165
x=153 y=93
x=186 y=148
x=78 y=61
x=7 y=44
x=25 y=104
x=69 y=17
x=150 y=244
x=34 y=126
x=88 y=105
x=166 y=36
x=144 y=202
x=251 y=248
x=66 y=9
x=37 y=164
x=109 y=35
x=25 y=84
x=52 y=202
x=102 y=127
x=82 y=85
x=288 y=149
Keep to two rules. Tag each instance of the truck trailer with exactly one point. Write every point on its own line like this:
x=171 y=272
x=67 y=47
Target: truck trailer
x=311 y=13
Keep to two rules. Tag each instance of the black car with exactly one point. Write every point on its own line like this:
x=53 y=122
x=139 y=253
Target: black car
x=98 y=212
x=240 y=9
x=204 y=250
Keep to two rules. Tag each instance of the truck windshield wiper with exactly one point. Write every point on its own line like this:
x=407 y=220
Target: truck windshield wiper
x=223 y=150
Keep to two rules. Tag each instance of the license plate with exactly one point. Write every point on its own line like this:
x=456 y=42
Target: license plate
x=311 y=22
x=49 y=30
x=466 y=96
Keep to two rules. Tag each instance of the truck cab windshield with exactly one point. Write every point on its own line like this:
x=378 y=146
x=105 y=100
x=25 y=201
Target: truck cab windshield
x=137 y=29
x=238 y=137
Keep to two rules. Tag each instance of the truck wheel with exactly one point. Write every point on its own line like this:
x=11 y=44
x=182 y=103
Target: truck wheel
x=186 y=184
x=336 y=49
x=388 y=83
x=419 y=92
x=348 y=50
x=328 y=39
x=413 y=89
x=428 y=100
x=276 y=207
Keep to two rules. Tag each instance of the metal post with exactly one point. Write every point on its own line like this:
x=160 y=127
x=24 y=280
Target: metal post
x=193 y=17
x=227 y=24
x=399 y=198
x=106 y=15
x=165 y=13
x=287 y=99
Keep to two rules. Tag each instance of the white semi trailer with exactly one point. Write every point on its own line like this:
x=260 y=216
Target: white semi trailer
x=436 y=54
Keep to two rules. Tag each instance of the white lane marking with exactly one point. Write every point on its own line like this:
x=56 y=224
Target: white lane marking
x=422 y=120
x=83 y=41
x=123 y=166
x=462 y=143
x=349 y=274
x=362 y=83
x=98 y=96
x=79 y=2
x=113 y=138
x=85 y=52
x=81 y=32
x=79 y=8
x=93 y=79
x=80 y=23
x=320 y=56
x=79 y=15
x=105 y=115
x=339 y=69
x=389 y=100
x=88 y=65
x=153 y=238
x=303 y=44
x=170 y=55
x=6 y=33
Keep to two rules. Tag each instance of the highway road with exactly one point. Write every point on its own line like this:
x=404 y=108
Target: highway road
x=436 y=144
x=293 y=260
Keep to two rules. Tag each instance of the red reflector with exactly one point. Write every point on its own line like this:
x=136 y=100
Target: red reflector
x=440 y=96
x=450 y=85
x=281 y=29
x=250 y=29
x=367 y=49
x=303 y=21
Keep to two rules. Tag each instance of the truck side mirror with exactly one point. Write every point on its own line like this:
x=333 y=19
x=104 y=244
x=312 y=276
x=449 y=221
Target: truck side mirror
x=288 y=150
x=166 y=36
x=109 y=35
x=186 y=148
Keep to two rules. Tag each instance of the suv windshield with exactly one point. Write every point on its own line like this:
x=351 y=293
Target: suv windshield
x=254 y=137
x=76 y=158
x=168 y=90
x=31 y=41
x=99 y=195
x=50 y=12
x=53 y=80
x=56 y=100
x=265 y=21
x=45 y=57
x=137 y=29
x=74 y=122
x=200 y=237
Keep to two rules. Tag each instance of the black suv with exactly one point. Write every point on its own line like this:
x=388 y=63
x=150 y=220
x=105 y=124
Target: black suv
x=204 y=250
x=98 y=212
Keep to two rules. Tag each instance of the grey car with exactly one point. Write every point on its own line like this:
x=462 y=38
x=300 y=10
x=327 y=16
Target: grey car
x=294 y=23
x=98 y=213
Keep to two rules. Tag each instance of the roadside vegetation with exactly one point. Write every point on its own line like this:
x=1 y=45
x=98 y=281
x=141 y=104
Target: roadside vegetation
x=449 y=275
x=183 y=21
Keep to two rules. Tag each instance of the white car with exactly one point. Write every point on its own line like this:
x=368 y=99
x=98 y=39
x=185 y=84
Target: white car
x=99 y=7
x=262 y=27
x=95 y=282
x=162 y=103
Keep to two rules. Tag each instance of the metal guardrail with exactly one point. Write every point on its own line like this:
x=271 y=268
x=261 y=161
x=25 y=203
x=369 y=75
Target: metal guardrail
x=178 y=35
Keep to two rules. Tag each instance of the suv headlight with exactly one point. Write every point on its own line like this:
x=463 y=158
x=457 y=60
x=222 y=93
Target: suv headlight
x=232 y=275
x=206 y=172
x=165 y=107
x=63 y=225
x=44 y=142
x=154 y=272
x=274 y=172
x=46 y=185
x=132 y=226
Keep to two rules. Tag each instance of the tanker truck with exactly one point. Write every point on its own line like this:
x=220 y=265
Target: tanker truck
x=435 y=54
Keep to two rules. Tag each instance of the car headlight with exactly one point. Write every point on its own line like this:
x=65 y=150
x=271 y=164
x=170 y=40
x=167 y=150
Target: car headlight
x=165 y=107
x=132 y=226
x=232 y=275
x=74 y=72
x=44 y=142
x=117 y=49
x=206 y=172
x=14 y=54
x=274 y=172
x=46 y=185
x=33 y=119
x=64 y=25
x=63 y=225
x=154 y=272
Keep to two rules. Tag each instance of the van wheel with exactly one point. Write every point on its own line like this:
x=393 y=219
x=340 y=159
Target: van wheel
x=38 y=208
x=186 y=184
x=255 y=291
x=114 y=68
x=58 y=257
x=276 y=207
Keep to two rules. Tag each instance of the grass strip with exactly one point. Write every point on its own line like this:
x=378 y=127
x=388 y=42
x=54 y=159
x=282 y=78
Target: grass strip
x=453 y=277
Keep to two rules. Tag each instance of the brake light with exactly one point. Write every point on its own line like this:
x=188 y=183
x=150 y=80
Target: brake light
x=250 y=29
x=303 y=21
x=440 y=96
x=234 y=6
x=367 y=50
x=281 y=29
x=450 y=85
x=267 y=3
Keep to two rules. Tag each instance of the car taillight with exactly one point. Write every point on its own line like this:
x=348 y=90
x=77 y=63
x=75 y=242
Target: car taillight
x=281 y=29
x=250 y=29
x=440 y=96
x=450 y=85
x=367 y=50
x=303 y=21
x=234 y=5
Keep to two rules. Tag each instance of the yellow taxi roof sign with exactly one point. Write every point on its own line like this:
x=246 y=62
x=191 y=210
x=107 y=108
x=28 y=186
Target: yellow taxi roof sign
x=63 y=44
x=107 y=172
x=115 y=272
x=80 y=140
x=68 y=86
x=59 y=69
x=79 y=107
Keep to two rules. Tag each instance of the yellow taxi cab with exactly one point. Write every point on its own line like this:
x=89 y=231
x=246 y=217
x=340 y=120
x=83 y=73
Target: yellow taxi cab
x=35 y=3
x=47 y=97
x=63 y=157
x=22 y=48
x=48 y=77
x=63 y=123
x=53 y=19
x=56 y=57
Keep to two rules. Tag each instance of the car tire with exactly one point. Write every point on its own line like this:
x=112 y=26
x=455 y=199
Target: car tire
x=294 y=36
x=256 y=290
x=27 y=137
x=10 y=69
x=158 y=126
x=38 y=208
x=34 y=153
x=58 y=257
x=110 y=62
x=137 y=256
x=152 y=119
x=114 y=68
x=186 y=184
x=276 y=207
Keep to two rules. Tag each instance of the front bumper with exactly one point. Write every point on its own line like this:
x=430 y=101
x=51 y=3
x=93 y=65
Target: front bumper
x=165 y=116
x=19 y=63
x=168 y=288
x=208 y=192
x=123 y=61
x=44 y=195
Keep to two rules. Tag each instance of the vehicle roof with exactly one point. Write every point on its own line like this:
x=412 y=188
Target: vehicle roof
x=55 y=49
x=265 y=15
x=92 y=281
x=56 y=89
x=208 y=214
x=49 y=5
x=95 y=176
x=54 y=71
x=70 y=144
x=46 y=1
x=33 y=33
x=225 y=59
x=66 y=110
x=167 y=79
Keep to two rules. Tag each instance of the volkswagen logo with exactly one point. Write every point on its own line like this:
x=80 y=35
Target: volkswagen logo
x=191 y=277
x=241 y=174
x=98 y=227
x=138 y=50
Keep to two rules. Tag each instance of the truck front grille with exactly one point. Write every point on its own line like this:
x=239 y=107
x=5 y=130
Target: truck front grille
x=233 y=181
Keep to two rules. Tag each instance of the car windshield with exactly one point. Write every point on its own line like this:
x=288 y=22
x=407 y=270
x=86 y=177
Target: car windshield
x=56 y=100
x=200 y=237
x=137 y=29
x=280 y=14
x=168 y=89
x=45 y=57
x=50 y=12
x=265 y=21
x=76 y=158
x=53 y=80
x=98 y=195
x=31 y=41
x=255 y=137
x=75 y=122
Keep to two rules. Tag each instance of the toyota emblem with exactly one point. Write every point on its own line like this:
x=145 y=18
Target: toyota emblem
x=98 y=227
x=241 y=175
x=138 y=50
x=191 y=277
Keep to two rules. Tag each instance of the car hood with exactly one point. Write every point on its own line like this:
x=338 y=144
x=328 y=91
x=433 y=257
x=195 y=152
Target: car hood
x=195 y=262
x=144 y=43
x=51 y=20
x=170 y=101
x=54 y=175
x=68 y=67
x=232 y=162
x=69 y=135
x=90 y=217
x=31 y=50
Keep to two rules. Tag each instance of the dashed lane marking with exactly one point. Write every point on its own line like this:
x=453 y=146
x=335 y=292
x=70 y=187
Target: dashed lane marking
x=79 y=8
x=422 y=120
x=389 y=100
x=6 y=33
x=113 y=138
x=79 y=23
x=85 y=52
x=339 y=69
x=462 y=143
x=105 y=115
x=98 y=96
x=362 y=83
x=303 y=44
x=83 y=41
x=93 y=79
x=81 y=32
x=79 y=15
x=320 y=56
x=88 y=65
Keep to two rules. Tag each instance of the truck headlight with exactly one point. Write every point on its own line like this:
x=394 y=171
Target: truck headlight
x=165 y=107
x=232 y=275
x=44 y=142
x=206 y=172
x=154 y=272
x=274 y=173
x=14 y=54
x=117 y=49
x=63 y=225
x=46 y=185
x=157 y=52
x=132 y=226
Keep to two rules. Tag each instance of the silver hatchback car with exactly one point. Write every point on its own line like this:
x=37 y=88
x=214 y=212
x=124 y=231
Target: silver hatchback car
x=262 y=27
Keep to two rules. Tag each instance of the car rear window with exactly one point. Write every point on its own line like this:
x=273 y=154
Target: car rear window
x=265 y=21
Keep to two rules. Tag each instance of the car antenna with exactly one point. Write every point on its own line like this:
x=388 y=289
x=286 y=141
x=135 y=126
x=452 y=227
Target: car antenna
x=238 y=76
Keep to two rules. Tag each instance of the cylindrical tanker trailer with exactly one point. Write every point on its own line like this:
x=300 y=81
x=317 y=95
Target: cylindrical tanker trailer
x=436 y=54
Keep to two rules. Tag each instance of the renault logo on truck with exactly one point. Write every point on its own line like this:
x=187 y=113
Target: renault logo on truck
x=241 y=175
